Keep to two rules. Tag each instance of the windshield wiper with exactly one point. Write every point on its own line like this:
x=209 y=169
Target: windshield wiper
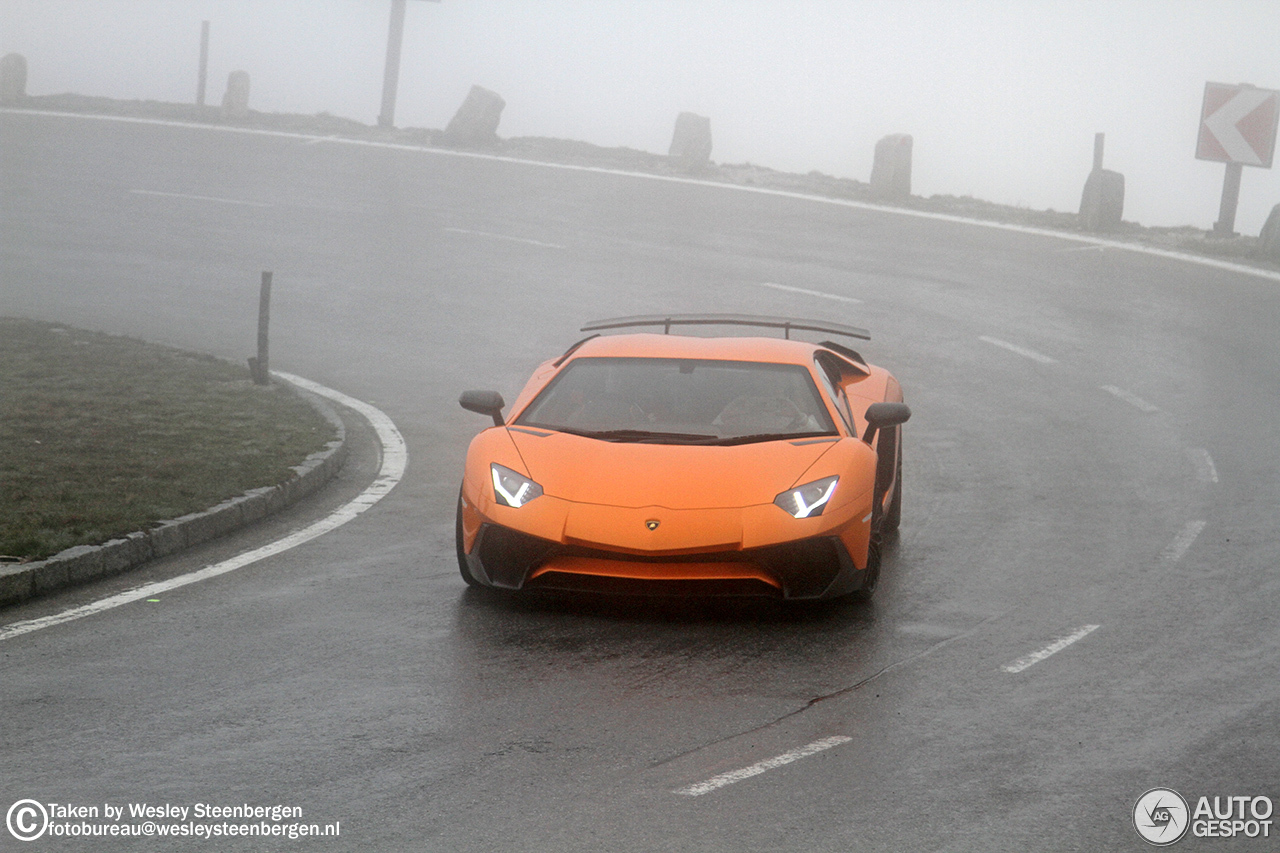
x=644 y=436
x=729 y=441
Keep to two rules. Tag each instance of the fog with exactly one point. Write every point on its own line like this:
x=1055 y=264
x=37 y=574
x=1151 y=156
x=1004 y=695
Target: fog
x=1002 y=97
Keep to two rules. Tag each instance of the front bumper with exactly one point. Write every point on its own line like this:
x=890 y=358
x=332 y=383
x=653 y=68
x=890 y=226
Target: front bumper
x=818 y=567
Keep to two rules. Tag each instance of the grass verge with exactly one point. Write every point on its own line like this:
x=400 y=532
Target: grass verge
x=105 y=435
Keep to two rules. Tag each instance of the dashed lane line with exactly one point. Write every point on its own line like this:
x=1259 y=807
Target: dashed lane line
x=1177 y=549
x=1131 y=398
x=506 y=237
x=1206 y=471
x=759 y=767
x=394 y=459
x=1052 y=649
x=1022 y=351
x=190 y=197
x=807 y=292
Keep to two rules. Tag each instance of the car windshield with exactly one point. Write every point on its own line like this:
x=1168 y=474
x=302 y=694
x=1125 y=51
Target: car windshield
x=671 y=401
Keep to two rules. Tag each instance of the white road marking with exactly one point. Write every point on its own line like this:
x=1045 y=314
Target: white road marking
x=1022 y=351
x=190 y=197
x=1177 y=549
x=1131 y=398
x=807 y=292
x=394 y=459
x=506 y=237
x=1184 y=257
x=760 y=767
x=1052 y=649
x=1206 y=471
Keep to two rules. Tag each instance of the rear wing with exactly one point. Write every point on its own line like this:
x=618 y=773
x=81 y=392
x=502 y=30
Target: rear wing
x=787 y=324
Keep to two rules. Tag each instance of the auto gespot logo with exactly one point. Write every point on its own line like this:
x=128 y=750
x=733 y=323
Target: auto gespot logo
x=1162 y=816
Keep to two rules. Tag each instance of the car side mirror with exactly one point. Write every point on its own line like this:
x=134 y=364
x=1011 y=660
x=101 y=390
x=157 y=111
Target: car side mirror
x=485 y=402
x=883 y=415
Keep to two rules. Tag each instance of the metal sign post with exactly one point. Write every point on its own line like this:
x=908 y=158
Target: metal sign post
x=391 y=74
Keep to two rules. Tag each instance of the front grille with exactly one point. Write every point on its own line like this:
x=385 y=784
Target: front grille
x=805 y=568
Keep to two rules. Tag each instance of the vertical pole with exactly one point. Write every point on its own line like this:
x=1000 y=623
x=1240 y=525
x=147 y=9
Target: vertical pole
x=1226 y=224
x=204 y=63
x=262 y=369
x=391 y=76
x=1098 y=139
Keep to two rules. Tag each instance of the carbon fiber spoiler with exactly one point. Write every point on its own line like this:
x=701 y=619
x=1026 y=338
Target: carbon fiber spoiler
x=787 y=324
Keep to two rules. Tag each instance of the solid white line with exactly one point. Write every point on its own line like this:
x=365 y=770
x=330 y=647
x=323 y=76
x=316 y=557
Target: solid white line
x=506 y=237
x=1184 y=257
x=818 y=293
x=1130 y=398
x=760 y=767
x=1022 y=351
x=1052 y=649
x=190 y=197
x=1206 y=471
x=1177 y=549
x=394 y=459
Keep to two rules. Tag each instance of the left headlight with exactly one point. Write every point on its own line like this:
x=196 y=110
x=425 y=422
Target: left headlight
x=512 y=489
x=808 y=500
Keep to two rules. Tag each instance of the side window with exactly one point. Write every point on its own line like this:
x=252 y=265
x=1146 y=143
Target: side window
x=829 y=370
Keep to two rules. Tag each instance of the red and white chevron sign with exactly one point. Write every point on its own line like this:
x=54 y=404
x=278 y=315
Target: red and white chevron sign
x=1238 y=124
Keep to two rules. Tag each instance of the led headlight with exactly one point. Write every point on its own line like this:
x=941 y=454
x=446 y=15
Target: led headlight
x=512 y=489
x=808 y=500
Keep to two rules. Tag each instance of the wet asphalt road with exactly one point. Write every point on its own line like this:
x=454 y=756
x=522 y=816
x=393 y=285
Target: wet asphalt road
x=1094 y=444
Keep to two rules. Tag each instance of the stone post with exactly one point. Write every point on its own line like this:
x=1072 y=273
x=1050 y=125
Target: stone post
x=1269 y=240
x=691 y=142
x=475 y=123
x=891 y=171
x=13 y=78
x=1102 y=202
x=235 y=103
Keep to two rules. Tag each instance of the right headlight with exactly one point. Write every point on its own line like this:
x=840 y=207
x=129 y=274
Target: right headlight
x=512 y=489
x=808 y=500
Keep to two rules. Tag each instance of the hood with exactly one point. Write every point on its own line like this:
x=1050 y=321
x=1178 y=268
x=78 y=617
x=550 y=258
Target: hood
x=587 y=470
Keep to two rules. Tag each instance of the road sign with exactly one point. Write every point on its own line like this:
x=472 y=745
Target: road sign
x=1238 y=124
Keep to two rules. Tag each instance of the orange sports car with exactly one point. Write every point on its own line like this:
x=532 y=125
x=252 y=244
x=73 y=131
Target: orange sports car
x=660 y=463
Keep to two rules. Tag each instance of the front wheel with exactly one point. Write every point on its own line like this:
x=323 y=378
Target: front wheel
x=893 y=518
x=872 y=578
x=463 y=568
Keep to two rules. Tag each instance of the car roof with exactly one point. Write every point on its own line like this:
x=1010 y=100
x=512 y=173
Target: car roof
x=647 y=345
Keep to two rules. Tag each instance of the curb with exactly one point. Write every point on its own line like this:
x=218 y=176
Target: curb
x=83 y=563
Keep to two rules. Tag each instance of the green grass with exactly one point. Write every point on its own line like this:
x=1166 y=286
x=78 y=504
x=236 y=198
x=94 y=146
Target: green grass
x=101 y=436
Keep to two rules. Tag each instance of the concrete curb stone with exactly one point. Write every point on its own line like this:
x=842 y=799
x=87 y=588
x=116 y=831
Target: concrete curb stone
x=84 y=563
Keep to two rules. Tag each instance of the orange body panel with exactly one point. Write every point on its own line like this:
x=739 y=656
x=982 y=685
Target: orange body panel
x=643 y=511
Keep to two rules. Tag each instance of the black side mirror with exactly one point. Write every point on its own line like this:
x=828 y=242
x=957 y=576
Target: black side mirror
x=883 y=415
x=485 y=402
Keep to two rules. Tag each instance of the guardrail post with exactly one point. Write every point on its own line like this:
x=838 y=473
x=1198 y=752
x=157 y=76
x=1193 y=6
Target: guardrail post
x=260 y=367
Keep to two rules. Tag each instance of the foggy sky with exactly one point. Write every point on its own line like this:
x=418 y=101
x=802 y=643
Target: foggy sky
x=1003 y=97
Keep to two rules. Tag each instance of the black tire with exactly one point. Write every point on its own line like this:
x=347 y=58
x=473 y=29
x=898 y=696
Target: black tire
x=872 y=579
x=893 y=518
x=463 y=568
